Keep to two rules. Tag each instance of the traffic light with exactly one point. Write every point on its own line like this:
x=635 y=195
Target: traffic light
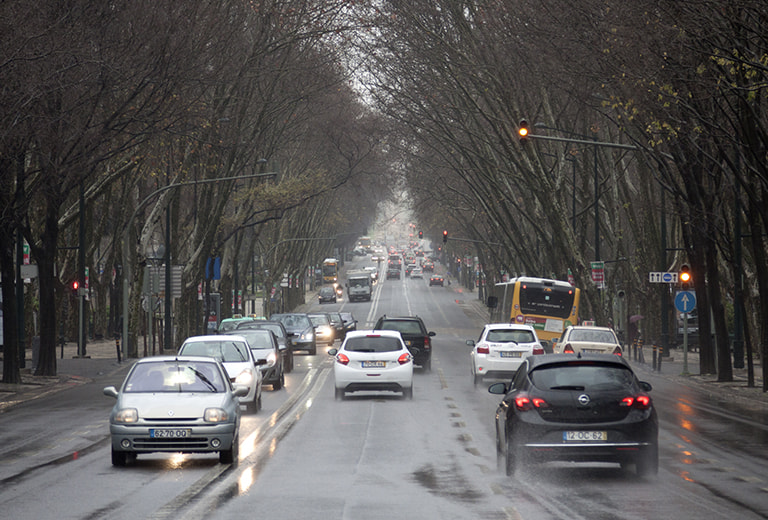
x=421 y=235
x=445 y=237
x=685 y=277
x=76 y=288
x=523 y=130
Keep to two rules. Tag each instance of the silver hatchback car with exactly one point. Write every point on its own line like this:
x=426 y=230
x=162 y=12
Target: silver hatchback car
x=172 y=404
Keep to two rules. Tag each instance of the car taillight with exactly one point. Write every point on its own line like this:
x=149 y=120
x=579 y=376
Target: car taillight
x=404 y=358
x=642 y=402
x=427 y=343
x=483 y=349
x=538 y=350
x=617 y=351
x=525 y=403
x=342 y=359
x=567 y=349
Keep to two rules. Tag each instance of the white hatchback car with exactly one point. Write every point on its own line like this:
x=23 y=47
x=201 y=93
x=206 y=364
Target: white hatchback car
x=238 y=361
x=501 y=349
x=373 y=360
x=589 y=340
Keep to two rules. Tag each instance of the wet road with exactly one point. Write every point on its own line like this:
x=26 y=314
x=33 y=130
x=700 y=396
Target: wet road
x=306 y=455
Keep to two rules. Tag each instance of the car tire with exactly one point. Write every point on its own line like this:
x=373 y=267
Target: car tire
x=477 y=379
x=313 y=349
x=289 y=362
x=428 y=364
x=277 y=385
x=647 y=462
x=119 y=458
x=339 y=394
x=231 y=455
x=408 y=393
x=255 y=405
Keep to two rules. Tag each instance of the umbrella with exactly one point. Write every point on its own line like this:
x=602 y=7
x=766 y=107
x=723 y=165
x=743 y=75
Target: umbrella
x=635 y=318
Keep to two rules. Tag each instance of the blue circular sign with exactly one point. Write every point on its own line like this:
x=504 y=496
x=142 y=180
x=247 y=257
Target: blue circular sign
x=685 y=301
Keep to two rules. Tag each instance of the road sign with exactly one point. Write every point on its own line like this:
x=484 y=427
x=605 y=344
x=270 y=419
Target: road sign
x=662 y=277
x=685 y=301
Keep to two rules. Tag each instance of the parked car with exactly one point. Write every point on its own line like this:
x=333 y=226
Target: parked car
x=300 y=327
x=282 y=335
x=159 y=391
x=233 y=352
x=415 y=335
x=436 y=279
x=590 y=408
x=264 y=346
x=501 y=349
x=326 y=294
x=588 y=339
x=324 y=331
x=373 y=361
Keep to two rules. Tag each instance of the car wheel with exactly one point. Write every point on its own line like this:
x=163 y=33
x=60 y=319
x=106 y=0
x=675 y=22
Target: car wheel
x=255 y=405
x=339 y=394
x=231 y=455
x=119 y=458
x=289 y=362
x=408 y=393
x=647 y=462
x=477 y=379
x=277 y=385
x=313 y=349
x=428 y=364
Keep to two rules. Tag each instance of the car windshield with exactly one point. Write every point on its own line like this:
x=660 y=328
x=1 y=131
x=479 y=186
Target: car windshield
x=404 y=326
x=224 y=350
x=292 y=321
x=276 y=329
x=320 y=319
x=178 y=376
x=594 y=336
x=507 y=336
x=257 y=339
x=582 y=376
x=372 y=344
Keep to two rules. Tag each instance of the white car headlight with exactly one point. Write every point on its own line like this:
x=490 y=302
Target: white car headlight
x=127 y=415
x=215 y=415
x=245 y=377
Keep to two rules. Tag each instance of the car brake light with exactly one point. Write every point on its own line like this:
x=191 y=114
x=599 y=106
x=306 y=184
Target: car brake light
x=483 y=349
x=404 y=358
x=641 y=401
x=617 y=351
x=342 y=359
x=427 y=343
x=524 y=403
x=567 y=349
x=538 y=350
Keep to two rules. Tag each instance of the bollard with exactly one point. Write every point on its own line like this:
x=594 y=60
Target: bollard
x=661 y=352
x=654 y=357
x=117 y=346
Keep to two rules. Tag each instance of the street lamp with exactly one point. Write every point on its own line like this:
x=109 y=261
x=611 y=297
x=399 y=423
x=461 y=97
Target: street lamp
x=127 y=271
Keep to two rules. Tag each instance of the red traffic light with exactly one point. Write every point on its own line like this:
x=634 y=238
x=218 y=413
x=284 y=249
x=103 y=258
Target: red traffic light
x=75 y=285
x=445 y=236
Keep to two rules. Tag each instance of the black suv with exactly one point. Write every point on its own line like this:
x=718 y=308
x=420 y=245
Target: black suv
x=415 y=335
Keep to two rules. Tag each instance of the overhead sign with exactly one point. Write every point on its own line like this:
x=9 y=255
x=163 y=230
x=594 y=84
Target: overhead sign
x=685 y=301
x=662 y=277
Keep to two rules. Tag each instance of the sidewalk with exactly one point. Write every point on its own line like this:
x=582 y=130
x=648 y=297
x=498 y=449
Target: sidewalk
x=100 y=360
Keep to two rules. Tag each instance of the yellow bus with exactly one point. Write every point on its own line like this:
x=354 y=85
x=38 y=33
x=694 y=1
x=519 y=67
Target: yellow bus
x=549 y=306
x=330 y=270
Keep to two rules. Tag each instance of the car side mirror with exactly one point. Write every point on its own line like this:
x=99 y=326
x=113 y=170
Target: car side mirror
x=333 y=352
x=240 y=390
x=646 y=386
x=431 y=333
x=492 y=302
x=498 y=389
x=110 y=391
x=471 y=342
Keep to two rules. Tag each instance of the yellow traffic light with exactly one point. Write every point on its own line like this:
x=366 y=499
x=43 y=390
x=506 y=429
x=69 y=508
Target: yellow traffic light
x=523 y=130
x=685 y=276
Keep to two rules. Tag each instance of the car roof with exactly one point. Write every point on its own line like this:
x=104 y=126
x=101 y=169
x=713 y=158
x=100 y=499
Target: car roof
x=511 y=326
x=588 y=327
x=215 y=337
x=558 y=359
x=377 y=332
x=168 y=359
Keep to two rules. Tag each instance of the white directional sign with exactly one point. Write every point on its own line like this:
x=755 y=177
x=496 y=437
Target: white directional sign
x=662 y=277
x=685 y=301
